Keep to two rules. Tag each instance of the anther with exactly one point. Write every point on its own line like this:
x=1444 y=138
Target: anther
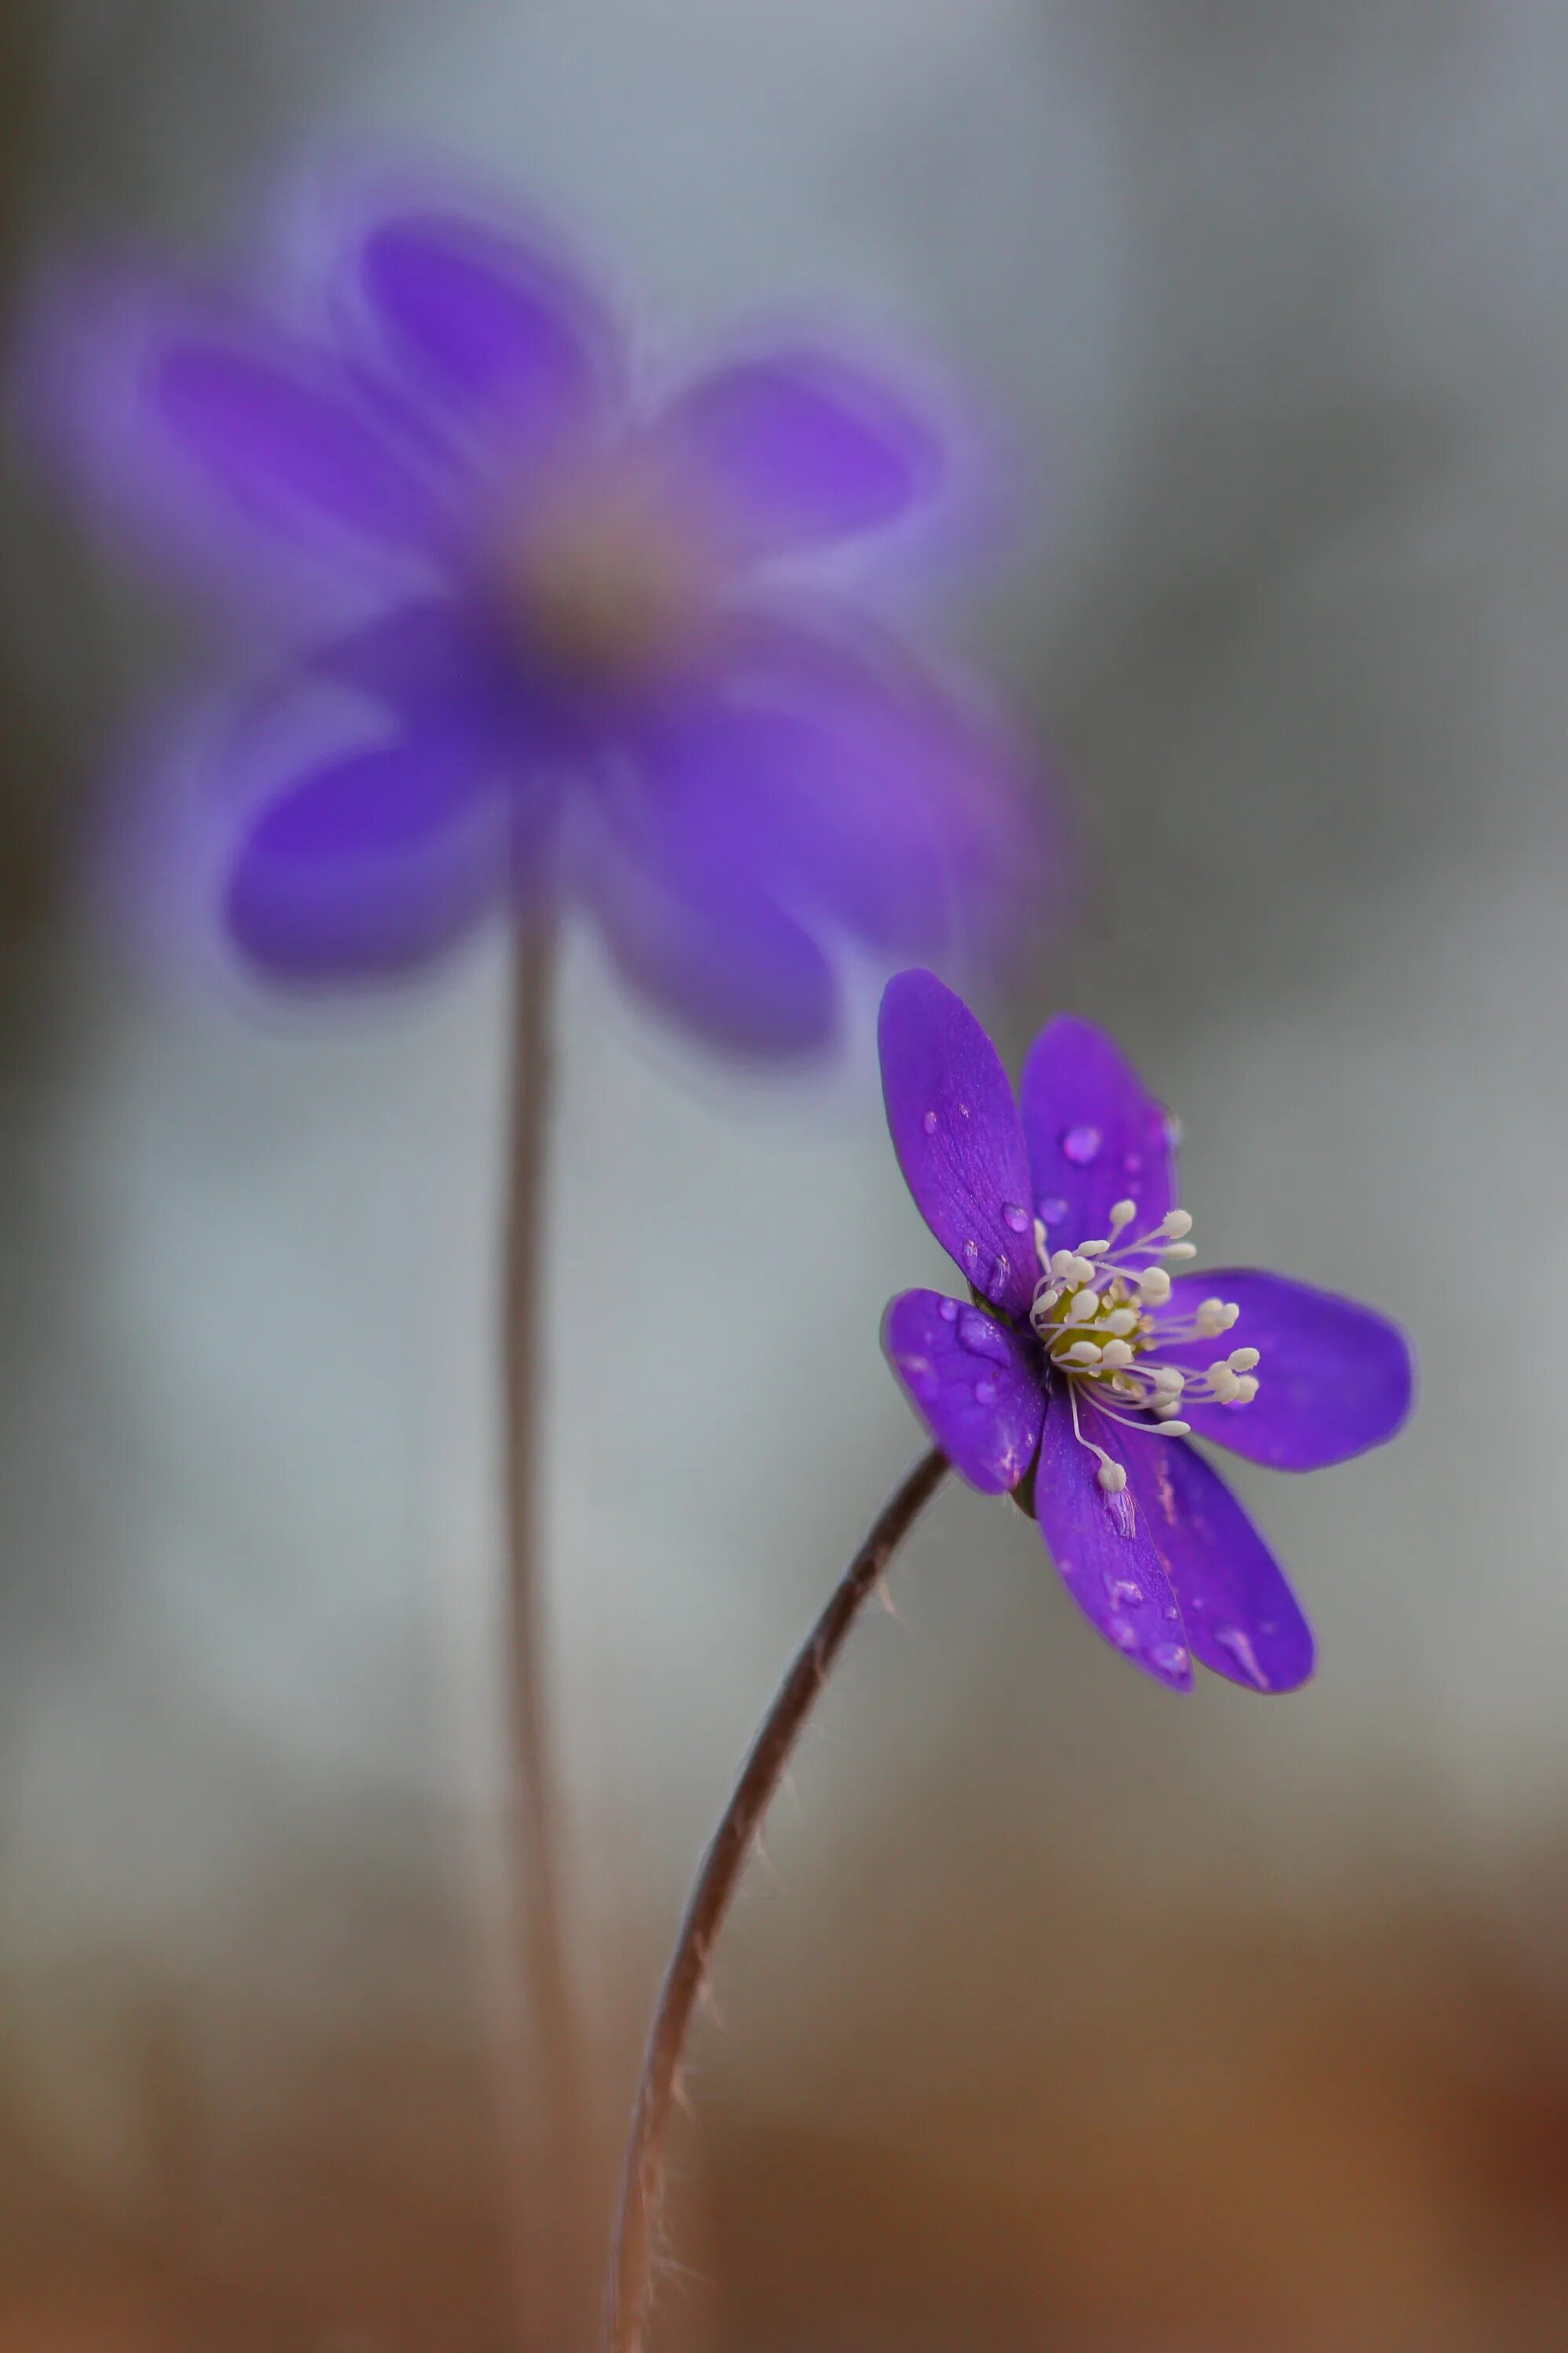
x=1093 y=1250
x=1112 y=1477
x=1155 y=1285
x=1122 y=1214
x=1182 y=1250
x=1176 y=1428
x=1083 y=1352
x=1224 y=1382
x=1168 y=1381
x=1178 y=1225
x=1122 y=1321
x=1085 y=1306
x=1242 y=1360
x=1247 y=1389
x=1062 y=1264
x=1117 y=1353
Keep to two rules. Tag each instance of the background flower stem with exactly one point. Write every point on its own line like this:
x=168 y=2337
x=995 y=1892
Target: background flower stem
x=551 y=2139
x=633 y=2246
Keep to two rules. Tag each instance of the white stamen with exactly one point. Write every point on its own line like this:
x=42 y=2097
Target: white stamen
x=1083 y=1352
x=1122 y=1214
x=1062 y=1263
x=1178 y=1225
x=1111 y=1476
x=1242 y=1360
x=1247 y=1389
x=1117 y=1353
x=1155 y=1285
x=1176 y=1428
x=1168 y=1381
x=1085 y=1306
x=1182 y=1250
x=1122 y=1321
x=1223 y=1381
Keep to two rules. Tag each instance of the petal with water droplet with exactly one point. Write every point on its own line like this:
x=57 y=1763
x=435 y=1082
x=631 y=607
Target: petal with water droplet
x=983 y=1409
x=1103 y=1546
x=1243 y=1620
x=1086 y=1114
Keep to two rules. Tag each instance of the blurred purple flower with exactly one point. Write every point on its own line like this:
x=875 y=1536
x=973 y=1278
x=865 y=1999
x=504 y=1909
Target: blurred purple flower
x=1082 y=1366
x=547 y=637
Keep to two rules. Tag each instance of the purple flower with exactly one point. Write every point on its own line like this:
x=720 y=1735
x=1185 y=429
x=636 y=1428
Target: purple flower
x=1082 y=1367
x=547 y=634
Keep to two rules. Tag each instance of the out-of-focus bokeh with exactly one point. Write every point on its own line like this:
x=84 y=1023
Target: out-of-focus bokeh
x=1059 y=2013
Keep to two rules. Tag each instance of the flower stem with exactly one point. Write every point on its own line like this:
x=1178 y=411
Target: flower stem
x=552 y=2235
x=628 y=2287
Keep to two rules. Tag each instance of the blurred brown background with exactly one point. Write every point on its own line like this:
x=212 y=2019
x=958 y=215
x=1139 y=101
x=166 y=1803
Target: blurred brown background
x=1060 y=2015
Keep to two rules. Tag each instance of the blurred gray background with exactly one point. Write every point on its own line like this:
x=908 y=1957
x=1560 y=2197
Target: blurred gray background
x=1063 y=2015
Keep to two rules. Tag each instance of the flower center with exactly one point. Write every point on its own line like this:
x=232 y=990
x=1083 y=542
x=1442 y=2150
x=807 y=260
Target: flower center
x=608 y=584
x=1103 y=1313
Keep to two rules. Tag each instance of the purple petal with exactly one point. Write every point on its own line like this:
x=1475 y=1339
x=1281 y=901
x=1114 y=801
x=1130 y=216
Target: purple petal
x=1242 y=1619
x=954 y=1129
x=495 y=322
x=436 y=655
x=1094 y=1137
x=971 y=1380
x=797 y=448
x=1104 y=1546
x=711 y=950
x=286 y=445
x=1335 y=1378
x=228 y=451
x=825 y=762
x=372 y=863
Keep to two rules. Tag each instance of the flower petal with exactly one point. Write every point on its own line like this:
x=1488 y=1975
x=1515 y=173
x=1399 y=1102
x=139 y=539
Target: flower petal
x=954 y=1129
x=371 y=862
x=707 y=947
x=1095 y=1136
x=827 y=760
x=1241 y=1618
x=496 y=321
x=971 y=1380
x=1104 y=1546
x=1335 y=1378
x=798 y=447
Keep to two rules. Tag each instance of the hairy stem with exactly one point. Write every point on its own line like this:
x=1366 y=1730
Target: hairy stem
x=634 y=2246
x=552 y=2234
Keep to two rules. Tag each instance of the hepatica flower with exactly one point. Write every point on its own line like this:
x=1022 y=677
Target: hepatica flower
x=1081 y=1369
x=550 y=630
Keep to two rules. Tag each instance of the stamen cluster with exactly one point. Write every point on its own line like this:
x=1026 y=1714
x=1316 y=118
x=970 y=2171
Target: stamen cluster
x=1102 y=1317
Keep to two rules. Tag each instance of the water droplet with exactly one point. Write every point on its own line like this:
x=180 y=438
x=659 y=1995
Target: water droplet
x=1015 y=1215
x=1051 y=1209
x=1239 y=1645
x=929 y=1123
x=981 y=1338
x=985 y=1393
x=1172 y=1612
x=1080 y=1145
x=1000 y=1268
x=947 y=1309
x=1122 y=1593
x=1122 y=1633
x=1133 y=1164
x=971 y=1250
x=1170 y=1657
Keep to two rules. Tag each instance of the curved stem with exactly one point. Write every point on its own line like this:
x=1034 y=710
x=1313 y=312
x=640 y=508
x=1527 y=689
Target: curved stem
x=553 y=2237
x=632 y=2252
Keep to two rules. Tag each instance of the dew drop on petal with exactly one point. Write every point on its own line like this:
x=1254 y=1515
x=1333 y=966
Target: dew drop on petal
x=985 y=1393
x=947 y=1309
x=1122 y=1593
x=981 y=1338
x=1080 y=1145
x=1051 y=1209
x=971 y=1252
x=1123 y=1633
x=1133 y=1164
x=1239 y=1645
x=1001 y=1267
x=1169 y=1657
x=929 y=1123
x=1015 y=1215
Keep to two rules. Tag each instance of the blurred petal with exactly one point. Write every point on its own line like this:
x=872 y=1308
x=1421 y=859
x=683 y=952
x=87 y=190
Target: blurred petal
x=284 y=444
x=827 y=763
x=709 y=949
x=955 y=1129
x=224 y=448
x=1243 y=1620
x=1104 y=1546
x=1095 y=1136
x=797 y=448
x=1335 y=1378
x=372 y=863
x=971 y=1380
x=433 y=655
x=497 y=323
